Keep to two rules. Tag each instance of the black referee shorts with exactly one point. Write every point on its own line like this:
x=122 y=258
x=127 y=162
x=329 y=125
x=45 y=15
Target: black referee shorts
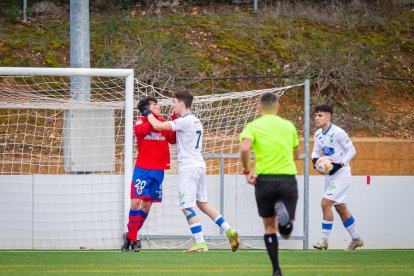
x=270 y=189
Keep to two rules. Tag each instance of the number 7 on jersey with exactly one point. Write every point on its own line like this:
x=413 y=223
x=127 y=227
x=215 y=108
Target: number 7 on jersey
x=198 y=139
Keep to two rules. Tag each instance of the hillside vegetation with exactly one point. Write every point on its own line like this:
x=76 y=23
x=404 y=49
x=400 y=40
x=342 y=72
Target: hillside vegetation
x=343 y=49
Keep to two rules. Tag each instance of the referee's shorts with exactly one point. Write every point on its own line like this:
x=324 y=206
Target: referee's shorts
x=271 y=188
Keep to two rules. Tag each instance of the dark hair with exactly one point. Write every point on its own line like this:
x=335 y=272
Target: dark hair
x=268 y=99
x=324 y=108
x=145 y=102
x=185 y=97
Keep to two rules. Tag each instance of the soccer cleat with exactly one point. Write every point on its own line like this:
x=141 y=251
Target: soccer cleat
x=126 y=244
x=134 y=247
x=277 y=273
x=282 y=213
x=197 y=247
x=322 y=244
x=233 y=237
x=355 y=243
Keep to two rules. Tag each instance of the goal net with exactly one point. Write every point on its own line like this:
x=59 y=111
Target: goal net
x=223 y=117
x=66 y=145
x=64 y=148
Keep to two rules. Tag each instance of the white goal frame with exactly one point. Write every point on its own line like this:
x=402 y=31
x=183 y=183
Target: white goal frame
x=127 y=75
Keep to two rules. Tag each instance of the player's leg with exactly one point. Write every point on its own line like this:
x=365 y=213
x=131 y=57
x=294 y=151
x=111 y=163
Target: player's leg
x=285 y=207
x=187 y=197
x=327 y=213
x=196 y=229
x=134 y=207
x=272 y=245
x=141 y=200
x=342 y=183
x=349 y=223
x=138 y=217
x=327 y=223
x=152 y=193
x=206 y=208
x=265 y=192
x=231 y=233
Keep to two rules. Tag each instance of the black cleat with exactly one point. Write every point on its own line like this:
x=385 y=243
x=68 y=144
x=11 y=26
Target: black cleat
x=136 y=246
x=127 y=243
x=277 y=273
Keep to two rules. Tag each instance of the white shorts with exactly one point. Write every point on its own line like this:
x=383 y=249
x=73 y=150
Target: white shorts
x=191 y=187
x=336 y=186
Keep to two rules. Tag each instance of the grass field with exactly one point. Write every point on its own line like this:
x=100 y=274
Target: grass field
x=217 y=262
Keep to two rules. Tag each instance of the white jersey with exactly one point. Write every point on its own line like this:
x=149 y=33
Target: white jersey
x=335 y=144
x=189 y=131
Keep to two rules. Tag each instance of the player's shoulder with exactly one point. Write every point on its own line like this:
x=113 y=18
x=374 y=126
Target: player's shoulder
x=187 y=117
x=140 y=120
x=338 y=130
x=253 y=124
x=193 y=119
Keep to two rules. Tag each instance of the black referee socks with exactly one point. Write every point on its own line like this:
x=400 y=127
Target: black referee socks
x=272 y=247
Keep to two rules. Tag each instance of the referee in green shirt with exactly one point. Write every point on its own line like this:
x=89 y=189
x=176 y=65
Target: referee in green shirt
x=274 y=141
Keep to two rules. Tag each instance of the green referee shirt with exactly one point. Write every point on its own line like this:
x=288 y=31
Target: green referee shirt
x=273 y=140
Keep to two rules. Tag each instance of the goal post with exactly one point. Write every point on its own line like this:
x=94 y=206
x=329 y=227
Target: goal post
x=64 y=159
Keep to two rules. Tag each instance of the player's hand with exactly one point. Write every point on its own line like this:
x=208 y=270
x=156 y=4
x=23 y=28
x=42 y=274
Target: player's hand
x=145 y=111
x=314 y=162
x=336 y=167
x=173 y=116
x=251 y=179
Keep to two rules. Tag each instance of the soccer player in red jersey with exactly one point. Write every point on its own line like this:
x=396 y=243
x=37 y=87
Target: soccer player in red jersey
x=153 y=158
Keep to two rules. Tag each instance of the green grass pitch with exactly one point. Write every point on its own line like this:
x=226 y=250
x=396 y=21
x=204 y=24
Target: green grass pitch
x=214 y=262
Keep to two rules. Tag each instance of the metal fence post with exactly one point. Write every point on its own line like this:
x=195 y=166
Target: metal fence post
x=24 y=10
x=221 y=188
x=306 y=168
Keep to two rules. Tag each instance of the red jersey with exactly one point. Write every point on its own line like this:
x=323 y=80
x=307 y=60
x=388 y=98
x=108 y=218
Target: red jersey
x=153 y=150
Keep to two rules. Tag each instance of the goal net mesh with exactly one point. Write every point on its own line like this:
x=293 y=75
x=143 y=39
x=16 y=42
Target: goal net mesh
x=223 y=117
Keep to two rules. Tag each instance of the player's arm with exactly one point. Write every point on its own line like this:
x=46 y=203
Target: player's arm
x=315 y=152
x=245 y=148
x=348 y=147
x=172 y=138
x=295 y=143
x=349 y=152
x=296 y=152
x=158 y=125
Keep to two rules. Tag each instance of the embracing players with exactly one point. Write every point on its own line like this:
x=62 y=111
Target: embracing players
x=334 y=143
x=192 y=171
x=153 y=158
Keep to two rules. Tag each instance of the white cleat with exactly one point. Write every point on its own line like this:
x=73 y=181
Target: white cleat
x=355 y=243
x=322 y=244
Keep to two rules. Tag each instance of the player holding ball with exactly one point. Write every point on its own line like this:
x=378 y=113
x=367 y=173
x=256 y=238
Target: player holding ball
x=333 y=142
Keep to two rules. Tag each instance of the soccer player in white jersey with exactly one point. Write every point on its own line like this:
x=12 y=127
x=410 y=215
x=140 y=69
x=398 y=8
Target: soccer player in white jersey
x=192 y=171
x=333 y=142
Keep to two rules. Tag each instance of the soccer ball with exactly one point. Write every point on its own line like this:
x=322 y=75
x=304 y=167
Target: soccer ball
x=324 y=165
